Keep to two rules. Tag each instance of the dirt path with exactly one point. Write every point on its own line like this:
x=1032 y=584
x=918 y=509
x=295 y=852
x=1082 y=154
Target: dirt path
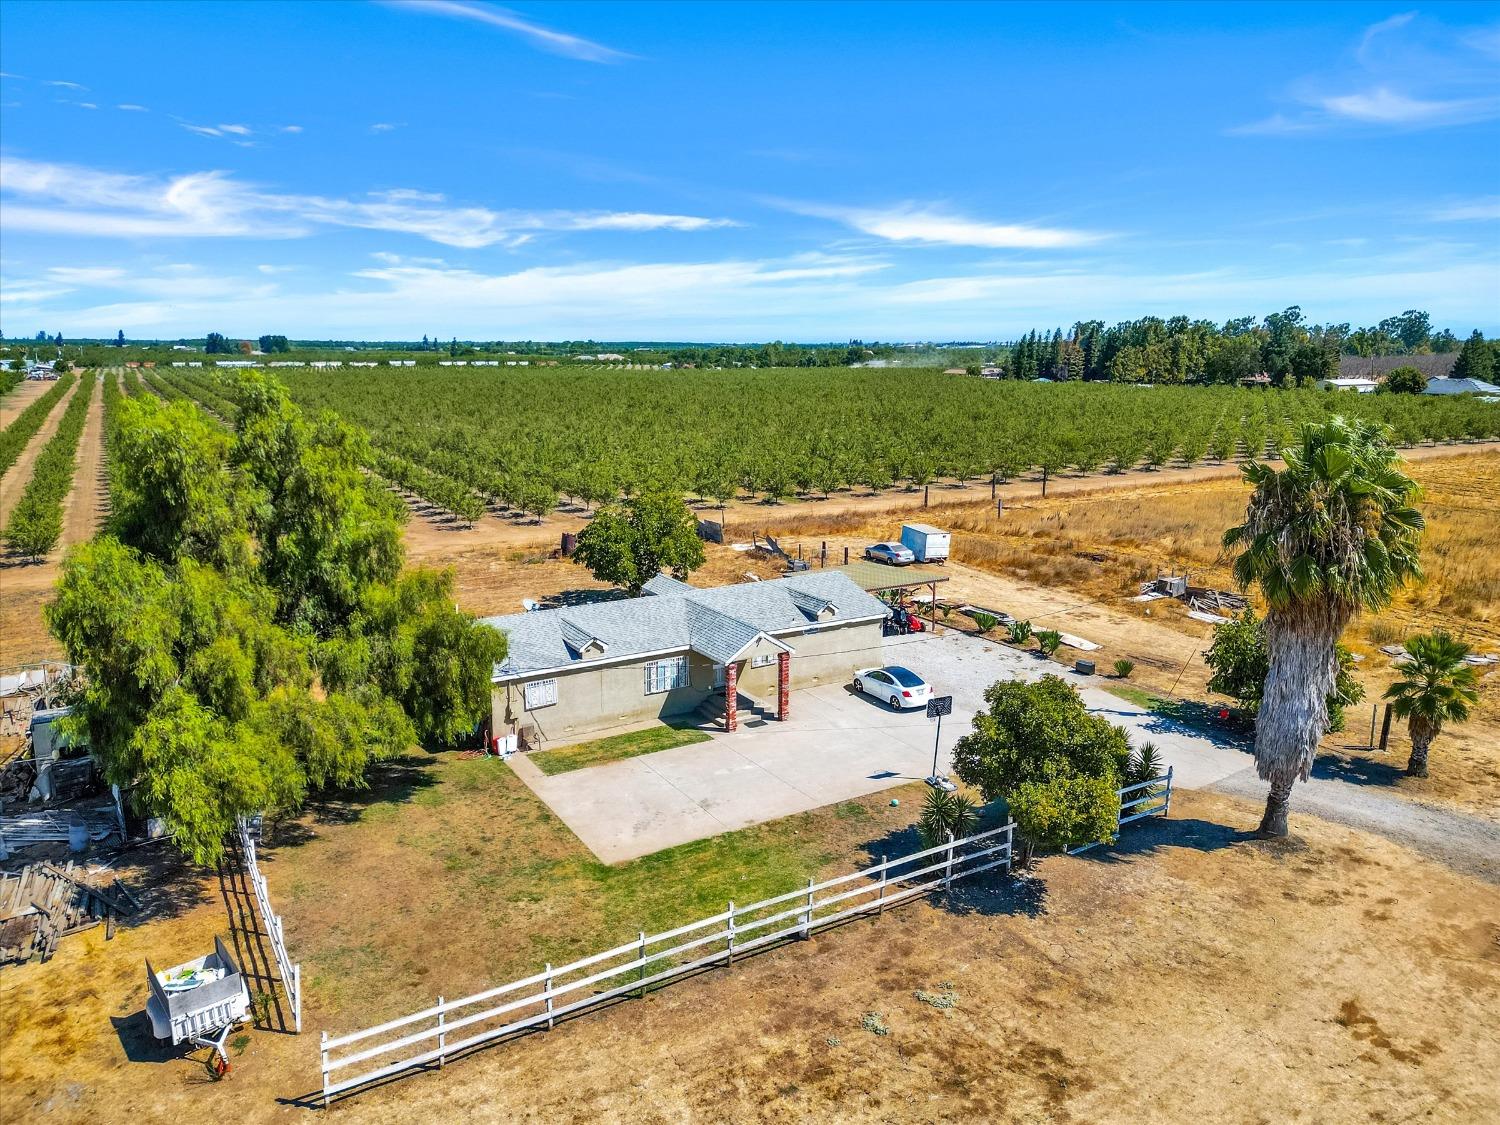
x=20 y=398
x=14 y=481
x=1464 y=843
x=434 y=534
x=85 y=505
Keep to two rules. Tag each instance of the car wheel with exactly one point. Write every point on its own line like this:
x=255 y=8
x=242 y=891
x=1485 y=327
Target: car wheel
x=896 y=702
x=859 y=687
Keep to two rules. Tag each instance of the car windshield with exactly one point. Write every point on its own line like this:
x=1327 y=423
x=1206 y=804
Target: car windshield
x=905 y=676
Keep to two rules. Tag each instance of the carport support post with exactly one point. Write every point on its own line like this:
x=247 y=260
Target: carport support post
x=783 y=685
x=731 y=696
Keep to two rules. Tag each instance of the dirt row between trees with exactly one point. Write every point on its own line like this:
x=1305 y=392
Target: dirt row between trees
x=14 y=481
x=89 y=498
x=19 y=399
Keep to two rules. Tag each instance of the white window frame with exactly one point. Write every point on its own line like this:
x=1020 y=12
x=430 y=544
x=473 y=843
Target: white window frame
x=666 y=675
x=764 y=660
x=541 y=693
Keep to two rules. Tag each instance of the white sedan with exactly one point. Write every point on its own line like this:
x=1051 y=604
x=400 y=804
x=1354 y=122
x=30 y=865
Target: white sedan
x=900 y=687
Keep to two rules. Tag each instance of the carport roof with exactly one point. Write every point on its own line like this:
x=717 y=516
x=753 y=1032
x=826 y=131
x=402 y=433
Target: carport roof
x=720 y=622
x=874 y=577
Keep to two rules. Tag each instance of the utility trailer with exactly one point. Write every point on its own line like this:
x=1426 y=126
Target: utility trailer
x=930 y=544
x=199 y=1002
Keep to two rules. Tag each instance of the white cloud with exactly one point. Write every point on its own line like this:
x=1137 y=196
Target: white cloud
x=912 y=222
x=65 y=199
x=1404 y=73
x=291 y=128
x=1384 y=106
x=237 y=130
x=555 y=42
x=383 y=127
x=64 y=85
x=201 y=130
x=1485 y=207
x=131 y=107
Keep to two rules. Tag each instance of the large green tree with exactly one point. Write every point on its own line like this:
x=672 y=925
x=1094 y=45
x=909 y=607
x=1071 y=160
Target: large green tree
x=1037 y=747
x=629 y=544
x=1436 y=687
x=1332 y=533
x=244 y=629
x=1476 y=359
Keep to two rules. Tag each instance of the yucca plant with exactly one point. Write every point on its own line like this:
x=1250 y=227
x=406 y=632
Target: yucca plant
x=1047 y=641
x=1123 y=668
x=1145 y=764
x=1436 y=687
x=1332 y=533
x=945 y=813
x=984 y=622
x=1020 y=632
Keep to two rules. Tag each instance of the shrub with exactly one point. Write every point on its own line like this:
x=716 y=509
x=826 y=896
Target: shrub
x=944 y=814
x=1047 y=641
x=1066 y=810
x=1020 y=632
x=1123 y=668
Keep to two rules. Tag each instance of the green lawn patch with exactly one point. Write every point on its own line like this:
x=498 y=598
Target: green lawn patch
x=615 y=748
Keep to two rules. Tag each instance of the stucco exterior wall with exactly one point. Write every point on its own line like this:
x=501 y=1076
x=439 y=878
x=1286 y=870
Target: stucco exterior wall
x=596 y=698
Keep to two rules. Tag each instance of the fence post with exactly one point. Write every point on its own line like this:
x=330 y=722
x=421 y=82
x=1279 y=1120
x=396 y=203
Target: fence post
x=1167 y=808
x=641 y=972
x=324 y=1046
x=948 y=866
x=807 y=918
x=297 y=1000
x=548 y=986
x=442 y=1037
x=880 y=901
x=1010 y=846
x=729 y=942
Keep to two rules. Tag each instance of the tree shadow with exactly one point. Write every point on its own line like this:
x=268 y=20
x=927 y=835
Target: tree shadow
x=1357 y=771
x=391 y=782
x=570 y=598
x=1158 y=833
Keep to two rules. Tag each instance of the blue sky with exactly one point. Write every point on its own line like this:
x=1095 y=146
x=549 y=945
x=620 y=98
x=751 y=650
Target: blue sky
x=741 y=171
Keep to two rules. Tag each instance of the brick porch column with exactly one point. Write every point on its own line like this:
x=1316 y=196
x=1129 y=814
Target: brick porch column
x=783 y=685
x=731 y=696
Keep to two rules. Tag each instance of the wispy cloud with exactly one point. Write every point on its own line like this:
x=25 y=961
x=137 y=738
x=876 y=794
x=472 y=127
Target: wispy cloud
x=131 y=107
x=384 y=126
x=1468 y=210
x=1404 y=73
x=931 y=225
x=237 y=130
x=545 y=38
x=291 y=129
x=64 y=85
x=70 y=200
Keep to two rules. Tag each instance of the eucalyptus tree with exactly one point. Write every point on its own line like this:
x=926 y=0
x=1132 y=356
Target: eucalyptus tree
x=1331 y=533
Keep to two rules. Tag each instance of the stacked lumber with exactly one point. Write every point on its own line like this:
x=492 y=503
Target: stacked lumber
x=42 y=904
x=53 y=827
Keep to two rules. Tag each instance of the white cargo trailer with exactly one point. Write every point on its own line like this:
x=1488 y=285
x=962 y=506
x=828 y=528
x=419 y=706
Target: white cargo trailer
x=930 y=544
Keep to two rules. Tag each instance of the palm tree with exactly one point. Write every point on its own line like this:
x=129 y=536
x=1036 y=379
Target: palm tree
x=1436 y=687
x=1330 y=534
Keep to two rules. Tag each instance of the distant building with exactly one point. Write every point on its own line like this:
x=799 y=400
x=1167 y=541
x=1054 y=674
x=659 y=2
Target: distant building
x=1460 y=387
x=1357 y=383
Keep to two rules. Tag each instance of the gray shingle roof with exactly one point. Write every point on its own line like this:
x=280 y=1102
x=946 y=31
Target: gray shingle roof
x=673 y=616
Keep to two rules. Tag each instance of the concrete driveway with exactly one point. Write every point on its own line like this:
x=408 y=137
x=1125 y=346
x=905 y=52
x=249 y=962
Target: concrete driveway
x=836 y=746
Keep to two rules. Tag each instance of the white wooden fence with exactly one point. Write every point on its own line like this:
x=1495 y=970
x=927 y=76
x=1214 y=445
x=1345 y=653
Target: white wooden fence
x=291 y=974
x=453 y=1027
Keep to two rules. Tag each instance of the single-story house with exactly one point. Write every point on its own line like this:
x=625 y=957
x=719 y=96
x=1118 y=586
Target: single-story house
x=1356 y=383
x=1460 y=387
x=572 y=671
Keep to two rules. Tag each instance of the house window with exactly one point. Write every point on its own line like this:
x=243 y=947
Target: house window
x=764 y=660
x=541 y=693
x=665 y=675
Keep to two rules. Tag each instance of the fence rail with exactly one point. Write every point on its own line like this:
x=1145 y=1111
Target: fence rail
x=291 y=974
x=539 y=1000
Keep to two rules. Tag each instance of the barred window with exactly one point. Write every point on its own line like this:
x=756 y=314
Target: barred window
x=764 y=660
x=666 y=675
x=541 y=693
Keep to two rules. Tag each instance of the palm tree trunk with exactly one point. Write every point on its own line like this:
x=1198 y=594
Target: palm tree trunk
x=1293 y=714
x=1422 y=735
x=1278 y=804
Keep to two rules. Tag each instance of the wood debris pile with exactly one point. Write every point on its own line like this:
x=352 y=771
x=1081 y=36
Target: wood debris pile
x=41 y=904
